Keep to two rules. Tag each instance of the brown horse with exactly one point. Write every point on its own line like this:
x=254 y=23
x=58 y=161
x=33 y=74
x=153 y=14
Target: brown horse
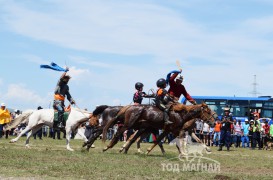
x=187 y=126
x=106 y=113
x=145 y=118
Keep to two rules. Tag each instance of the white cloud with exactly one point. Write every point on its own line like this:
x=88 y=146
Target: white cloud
x=35 y=59
x=18 y=96
x=221 y=61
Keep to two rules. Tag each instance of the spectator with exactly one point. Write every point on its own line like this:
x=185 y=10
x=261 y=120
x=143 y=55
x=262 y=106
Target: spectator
x=205 y=133
x=198 y=128
x=266 y=128
x=225 y=129
x=211 y=130
x=257 y=133
x=245 y=134
x=252 y=129
x=217 y=128
x=4 y=118
x=271 y=131
x=238 y=133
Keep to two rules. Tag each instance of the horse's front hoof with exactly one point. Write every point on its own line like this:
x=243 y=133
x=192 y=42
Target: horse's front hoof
x=12 y=141
x=105 y=149
x=70 y=149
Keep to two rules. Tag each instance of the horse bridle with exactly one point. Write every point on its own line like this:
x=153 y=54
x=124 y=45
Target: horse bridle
x=211 y=116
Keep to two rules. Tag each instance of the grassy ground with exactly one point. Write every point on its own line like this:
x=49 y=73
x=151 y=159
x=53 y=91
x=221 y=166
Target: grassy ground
x=48 y=159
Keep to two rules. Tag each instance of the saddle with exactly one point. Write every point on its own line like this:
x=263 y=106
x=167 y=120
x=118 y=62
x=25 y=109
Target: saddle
x=67 y=111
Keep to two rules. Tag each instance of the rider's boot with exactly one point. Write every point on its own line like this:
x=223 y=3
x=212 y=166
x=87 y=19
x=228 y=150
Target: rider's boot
x=60 y=120
x=166 y=118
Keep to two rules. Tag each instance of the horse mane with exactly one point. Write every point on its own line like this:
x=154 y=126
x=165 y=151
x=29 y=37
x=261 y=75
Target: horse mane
x=99 y=109
x=182 y=107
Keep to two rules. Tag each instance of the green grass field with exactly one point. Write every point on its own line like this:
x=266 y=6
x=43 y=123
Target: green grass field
x=48 y=159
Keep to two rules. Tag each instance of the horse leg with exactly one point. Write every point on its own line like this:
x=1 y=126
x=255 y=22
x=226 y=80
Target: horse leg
x=33 y=131
x=161 y=136
x=182 y=143
x=139 y=140
x=93 y=139
x=199 y=141
x=21 y=134
x=115 y=138
x=162 y=148
x=94 y=135
x=83 y=136
x=134 y=138
x=68 y=133
x=128 y=141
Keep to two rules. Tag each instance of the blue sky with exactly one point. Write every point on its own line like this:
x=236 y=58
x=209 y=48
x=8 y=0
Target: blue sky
x=110 y=45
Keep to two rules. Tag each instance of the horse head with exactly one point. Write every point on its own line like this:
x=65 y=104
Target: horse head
x=208 y=115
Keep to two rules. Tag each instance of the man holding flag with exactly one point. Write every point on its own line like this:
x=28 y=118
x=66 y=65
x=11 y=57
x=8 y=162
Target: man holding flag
x=61 y=91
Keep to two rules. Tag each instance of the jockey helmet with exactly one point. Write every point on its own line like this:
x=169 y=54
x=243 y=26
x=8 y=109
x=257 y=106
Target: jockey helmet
x=139 y=85
x=161 y=83
x=180 y=78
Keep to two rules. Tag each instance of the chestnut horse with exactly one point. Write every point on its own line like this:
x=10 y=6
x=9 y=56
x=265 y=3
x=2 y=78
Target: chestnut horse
x=144 y=118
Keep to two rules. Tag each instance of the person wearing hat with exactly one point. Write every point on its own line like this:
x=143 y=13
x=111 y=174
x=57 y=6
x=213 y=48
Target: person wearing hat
x=252 y=130
x=61 y=91
x=257 y=132
x=245 y=133
x=4 y=118
x=225 y=136
x=177 y=88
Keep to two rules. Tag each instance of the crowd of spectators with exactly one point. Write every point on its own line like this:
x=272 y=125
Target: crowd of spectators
x=253 y=134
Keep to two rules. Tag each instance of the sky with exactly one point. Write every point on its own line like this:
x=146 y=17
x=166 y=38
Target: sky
x=111 y=45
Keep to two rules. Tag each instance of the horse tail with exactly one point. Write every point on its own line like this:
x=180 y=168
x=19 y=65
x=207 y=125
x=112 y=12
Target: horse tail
x=113 y=121
x=17 y=121
x=99 y=110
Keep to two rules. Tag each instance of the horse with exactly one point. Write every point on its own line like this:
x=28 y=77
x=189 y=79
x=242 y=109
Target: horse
x=46 y=117
x=145 y=118
x=105 y=113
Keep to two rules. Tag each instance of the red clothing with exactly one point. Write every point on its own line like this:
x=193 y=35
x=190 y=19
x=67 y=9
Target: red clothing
x=177 y=89
x=266 y=129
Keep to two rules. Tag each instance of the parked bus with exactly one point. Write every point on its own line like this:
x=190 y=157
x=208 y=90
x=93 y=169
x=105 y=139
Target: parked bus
x=241 y=107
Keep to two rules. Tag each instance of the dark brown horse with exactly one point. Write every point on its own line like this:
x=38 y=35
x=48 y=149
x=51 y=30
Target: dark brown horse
x=145 y=118
x=106 y=113
x=187 y=126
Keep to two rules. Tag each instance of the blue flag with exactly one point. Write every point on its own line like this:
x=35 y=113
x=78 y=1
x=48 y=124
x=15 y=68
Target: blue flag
x=54 y=67
x=169 y=75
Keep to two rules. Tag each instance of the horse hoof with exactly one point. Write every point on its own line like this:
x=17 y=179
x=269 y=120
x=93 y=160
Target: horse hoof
x=27 y=146
x=12 y=141
x=70 y=149
x=139 y=151
x=84 y=144
x=93 y=146
x=105 y=149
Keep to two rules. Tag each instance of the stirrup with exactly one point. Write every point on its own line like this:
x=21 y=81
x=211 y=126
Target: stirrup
x=60 y=125
x=168 y=122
